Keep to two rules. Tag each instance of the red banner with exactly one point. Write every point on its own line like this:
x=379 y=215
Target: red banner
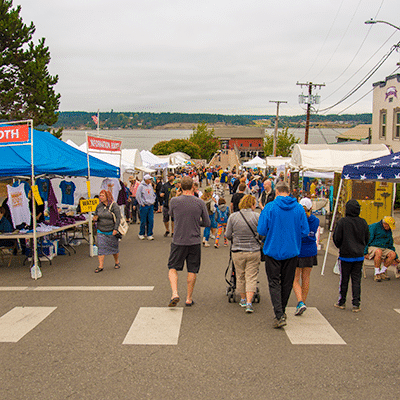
x=14 y=134
x=104 y=144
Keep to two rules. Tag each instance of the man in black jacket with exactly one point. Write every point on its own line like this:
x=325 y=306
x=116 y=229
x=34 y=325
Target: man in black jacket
x=351 y=235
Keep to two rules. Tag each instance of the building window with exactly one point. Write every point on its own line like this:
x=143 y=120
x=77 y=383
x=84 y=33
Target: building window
x=396 y=133
x=382 y=128
x=250 y=144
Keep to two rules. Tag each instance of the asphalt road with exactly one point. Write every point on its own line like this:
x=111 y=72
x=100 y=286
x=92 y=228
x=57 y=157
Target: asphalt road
x=222 y=353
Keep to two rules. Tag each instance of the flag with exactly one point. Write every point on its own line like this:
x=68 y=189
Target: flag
x=95 y=119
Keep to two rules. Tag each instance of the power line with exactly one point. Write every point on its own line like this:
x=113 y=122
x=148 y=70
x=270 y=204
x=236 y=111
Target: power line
x=341 y=40
x=352 y=76
x=326 y=38
x=359 y=85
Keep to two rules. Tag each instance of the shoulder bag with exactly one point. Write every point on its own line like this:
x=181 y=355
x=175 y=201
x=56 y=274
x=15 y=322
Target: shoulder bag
x=123 y=225
x=255 y=237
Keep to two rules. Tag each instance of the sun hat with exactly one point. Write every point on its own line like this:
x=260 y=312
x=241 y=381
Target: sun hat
x=390 y=221
x=306 y=202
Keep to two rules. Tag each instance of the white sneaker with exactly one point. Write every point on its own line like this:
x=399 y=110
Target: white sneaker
x=212 y=236
x=141 y=237
x=150 y=238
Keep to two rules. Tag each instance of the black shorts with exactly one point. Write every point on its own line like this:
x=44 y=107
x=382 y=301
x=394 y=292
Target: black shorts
x=178 y=255
x=166 y=216
x=307 y=262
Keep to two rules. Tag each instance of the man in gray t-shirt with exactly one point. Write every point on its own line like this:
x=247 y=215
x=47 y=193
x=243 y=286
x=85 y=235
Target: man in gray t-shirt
x=189 y=214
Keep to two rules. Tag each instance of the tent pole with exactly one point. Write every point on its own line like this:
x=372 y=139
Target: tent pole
x=89 y=196
x=331 y=227
x=34 y=250
x=394 y=198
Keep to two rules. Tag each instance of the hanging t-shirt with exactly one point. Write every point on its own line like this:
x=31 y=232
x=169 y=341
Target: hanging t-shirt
x=27 y=186
x=113 y=185
x=43 y=186
x=67 y=190
x=19 y=205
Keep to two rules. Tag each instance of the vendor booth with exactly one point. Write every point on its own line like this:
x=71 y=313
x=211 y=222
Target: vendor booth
x=256 y=162
x=44 y=156
x=375 y=183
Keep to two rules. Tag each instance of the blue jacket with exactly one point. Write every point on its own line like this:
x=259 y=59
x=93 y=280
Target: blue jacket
x=283 y=222
x=309 y=243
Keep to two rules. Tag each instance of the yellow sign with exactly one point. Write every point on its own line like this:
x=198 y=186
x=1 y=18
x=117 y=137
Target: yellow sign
x=36 y=195
x=89 y=205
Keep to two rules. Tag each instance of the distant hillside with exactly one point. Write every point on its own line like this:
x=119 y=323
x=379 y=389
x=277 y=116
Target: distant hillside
x=141 y=120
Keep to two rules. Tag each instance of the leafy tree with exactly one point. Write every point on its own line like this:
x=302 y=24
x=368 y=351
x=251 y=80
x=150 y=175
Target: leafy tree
x=26 y=87
x=204 y=138
x=171 y=146
x=284 y=143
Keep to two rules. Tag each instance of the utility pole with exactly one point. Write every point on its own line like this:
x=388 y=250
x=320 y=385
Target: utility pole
x=276 y=123
x=310 y=99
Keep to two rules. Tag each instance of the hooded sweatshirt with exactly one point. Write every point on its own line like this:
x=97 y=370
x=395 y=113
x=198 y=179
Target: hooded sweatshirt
x=222 y=214
x=309 y=243
x=283 y=222
x=351 y=234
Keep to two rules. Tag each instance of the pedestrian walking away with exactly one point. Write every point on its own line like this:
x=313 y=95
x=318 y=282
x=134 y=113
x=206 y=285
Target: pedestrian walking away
x=283 y=222
x=190 y=214
x=307 y=258
x=241 y=230
x=351 y=236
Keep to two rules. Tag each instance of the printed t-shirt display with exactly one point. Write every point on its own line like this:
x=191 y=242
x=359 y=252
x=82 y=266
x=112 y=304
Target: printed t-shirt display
x=67 y=190
x=19 y=205
x=111 y=184
x=43 y=186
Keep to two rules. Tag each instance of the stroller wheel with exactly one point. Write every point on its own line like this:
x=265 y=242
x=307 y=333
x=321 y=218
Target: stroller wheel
x=232 y=298
x=256 y=298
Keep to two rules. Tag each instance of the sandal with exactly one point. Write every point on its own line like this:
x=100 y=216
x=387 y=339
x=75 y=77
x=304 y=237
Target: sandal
x=189 y=304
x=117 y=266
x=173 y=302
x=98 y=270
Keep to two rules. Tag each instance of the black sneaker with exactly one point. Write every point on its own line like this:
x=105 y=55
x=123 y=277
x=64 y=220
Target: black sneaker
x=166 y=233
x=279 y=323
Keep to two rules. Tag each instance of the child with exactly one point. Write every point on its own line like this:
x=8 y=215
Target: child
x=210 y=205
x=351 y=235
x=221 y=216
x=307 y=258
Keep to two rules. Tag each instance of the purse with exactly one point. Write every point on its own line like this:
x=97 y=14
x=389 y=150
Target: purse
x=123 y=225
x=255 y=236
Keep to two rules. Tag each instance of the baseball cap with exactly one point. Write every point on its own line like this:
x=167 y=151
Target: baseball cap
x=146 y=177
x=306 y=202
x=390 y=221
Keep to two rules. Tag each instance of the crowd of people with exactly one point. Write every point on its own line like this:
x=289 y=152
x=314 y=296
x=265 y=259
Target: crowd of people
x=282 y=232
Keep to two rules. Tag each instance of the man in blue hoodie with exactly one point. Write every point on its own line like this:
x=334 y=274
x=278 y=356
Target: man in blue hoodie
x=283 y=222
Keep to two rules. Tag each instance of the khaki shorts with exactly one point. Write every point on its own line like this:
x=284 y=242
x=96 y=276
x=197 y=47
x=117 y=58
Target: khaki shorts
x=372 y=249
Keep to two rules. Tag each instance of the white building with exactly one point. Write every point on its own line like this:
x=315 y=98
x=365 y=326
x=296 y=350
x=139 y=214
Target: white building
x=386 y=112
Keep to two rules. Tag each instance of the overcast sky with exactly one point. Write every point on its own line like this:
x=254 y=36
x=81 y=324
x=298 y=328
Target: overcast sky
x=219 y=56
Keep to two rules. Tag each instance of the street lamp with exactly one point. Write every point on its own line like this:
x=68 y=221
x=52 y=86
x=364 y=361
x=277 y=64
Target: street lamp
x=372 y=21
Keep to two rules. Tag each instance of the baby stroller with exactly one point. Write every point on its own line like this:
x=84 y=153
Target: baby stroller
x=230 y=290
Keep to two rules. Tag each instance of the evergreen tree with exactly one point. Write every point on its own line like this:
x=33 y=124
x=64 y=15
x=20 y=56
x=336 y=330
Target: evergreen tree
x=26 y=87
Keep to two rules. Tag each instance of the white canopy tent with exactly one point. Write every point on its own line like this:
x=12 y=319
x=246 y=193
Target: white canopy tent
x=256 y=162
x=276 y=161
x=332 y=158
x=152 y=161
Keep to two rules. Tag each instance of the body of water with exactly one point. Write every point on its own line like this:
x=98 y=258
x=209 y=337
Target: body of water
x=145 y=139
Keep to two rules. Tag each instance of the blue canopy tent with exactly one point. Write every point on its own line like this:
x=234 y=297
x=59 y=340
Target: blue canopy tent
x=385 y=168
x=51 y=156
x=44 y=154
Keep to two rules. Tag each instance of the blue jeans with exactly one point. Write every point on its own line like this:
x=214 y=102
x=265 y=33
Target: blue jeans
x=146 y=220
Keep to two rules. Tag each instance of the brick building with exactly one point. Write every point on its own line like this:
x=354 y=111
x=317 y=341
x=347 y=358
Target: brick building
x=248 y=141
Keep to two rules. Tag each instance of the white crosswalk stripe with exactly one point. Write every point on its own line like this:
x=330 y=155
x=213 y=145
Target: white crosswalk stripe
x=75 y=288
x=20 y=320
x=310 y=328
x=155 y=326
x=397 y=310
